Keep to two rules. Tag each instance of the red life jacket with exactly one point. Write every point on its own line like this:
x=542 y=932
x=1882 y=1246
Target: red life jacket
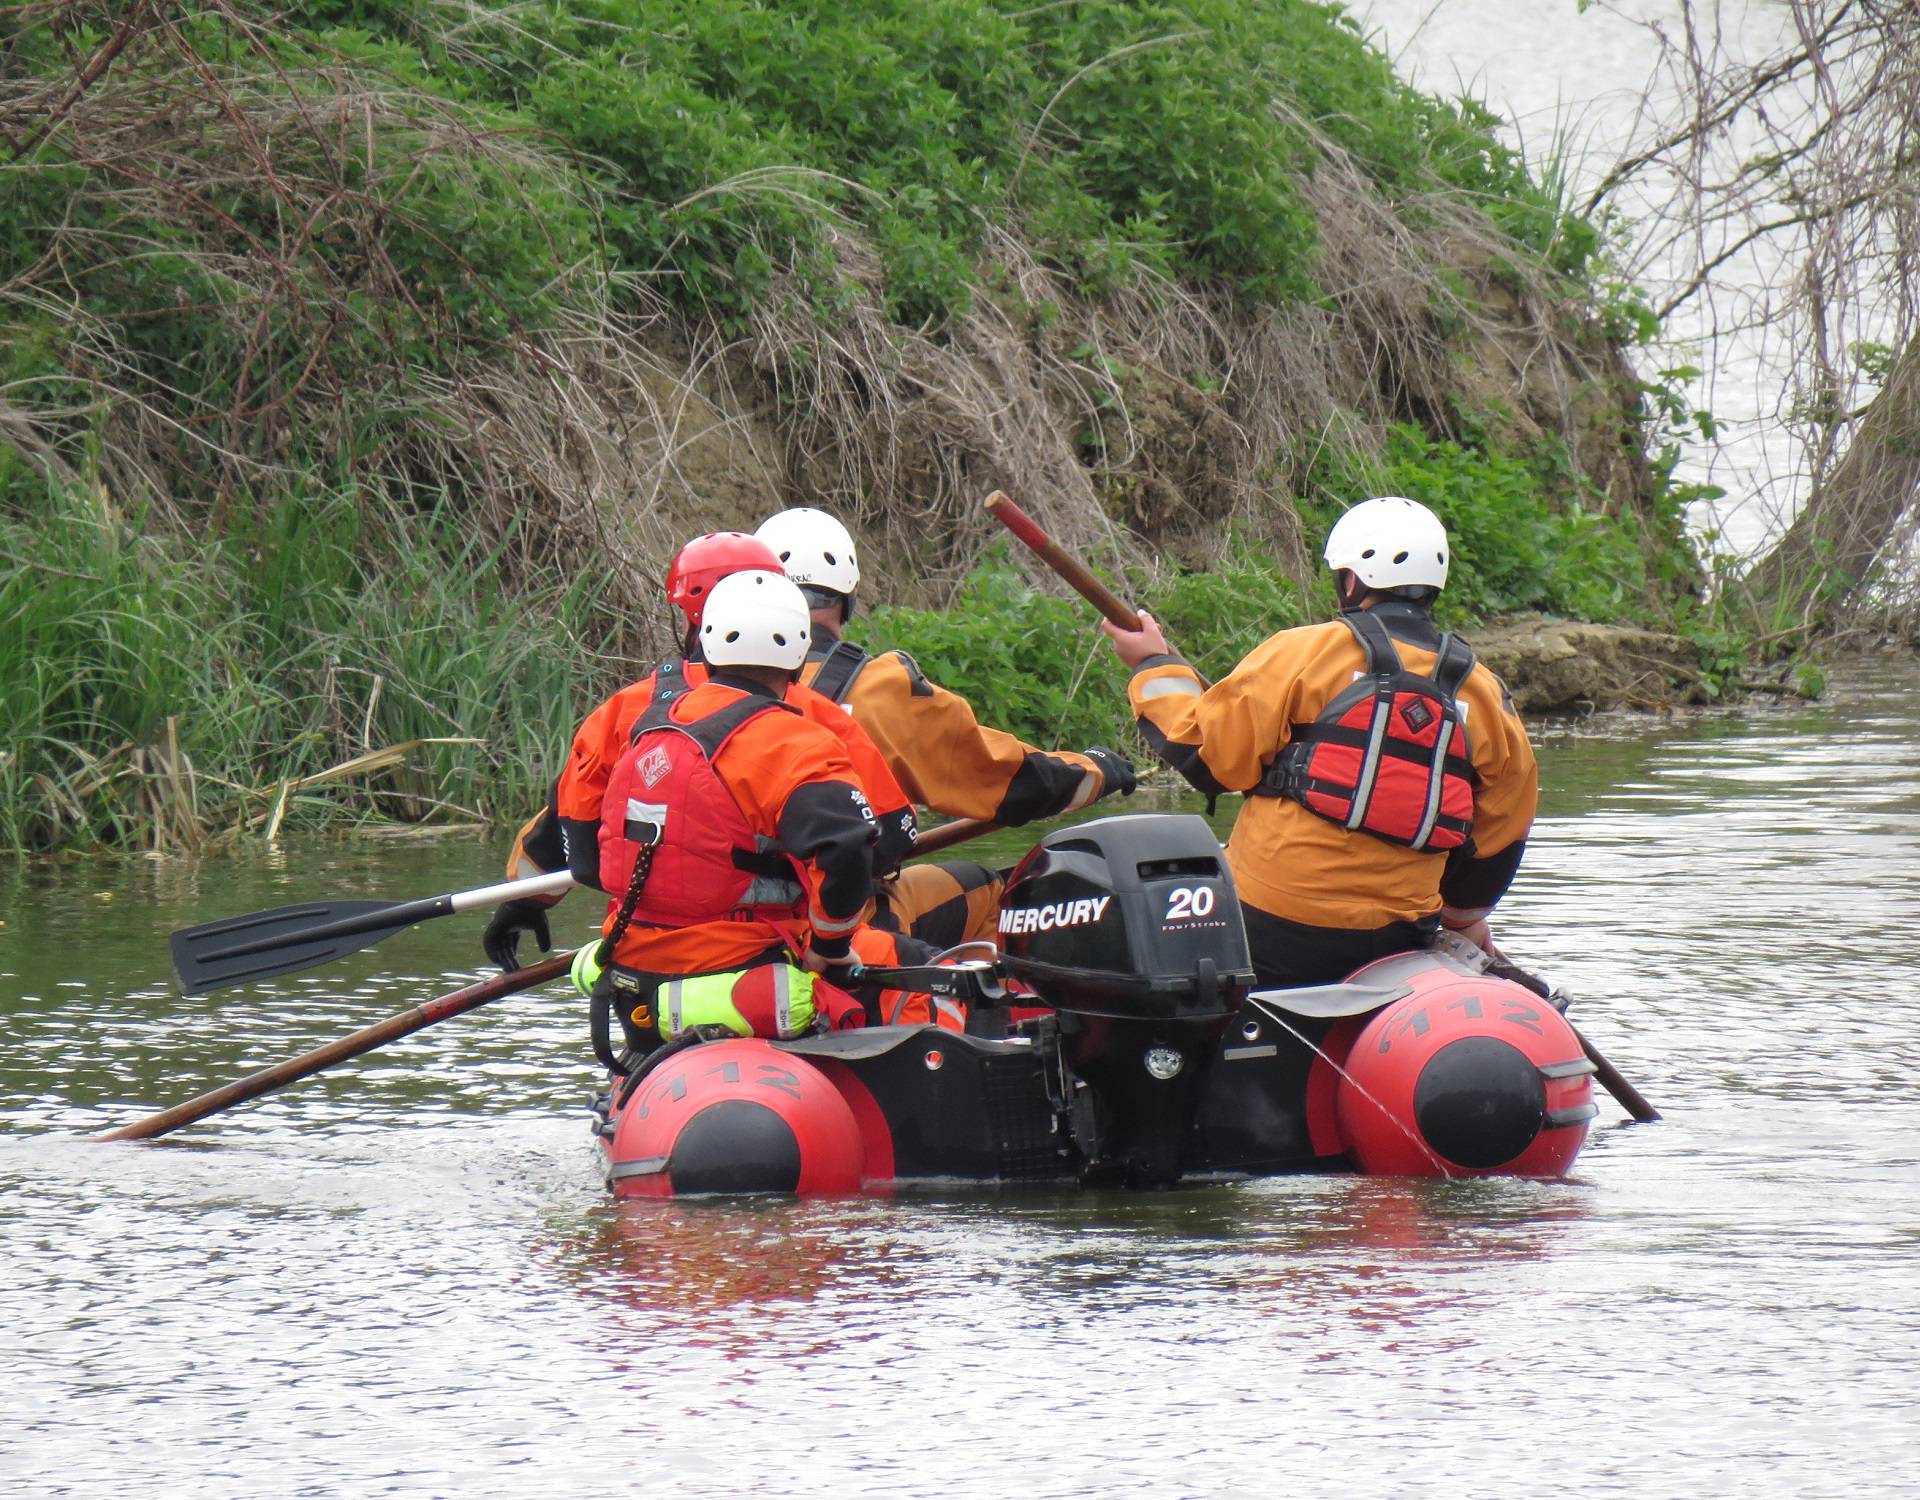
x=708 y=863
x=1390 y=755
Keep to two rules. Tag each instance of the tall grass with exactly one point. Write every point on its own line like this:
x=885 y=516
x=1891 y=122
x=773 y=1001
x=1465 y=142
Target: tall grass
x=362 y=362
x=163 y=691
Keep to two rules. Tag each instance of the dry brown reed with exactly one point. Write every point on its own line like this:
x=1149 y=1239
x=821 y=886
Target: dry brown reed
x=1140 y=426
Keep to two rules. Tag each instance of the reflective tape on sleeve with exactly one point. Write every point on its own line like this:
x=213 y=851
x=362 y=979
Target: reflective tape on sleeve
x=1168 y=687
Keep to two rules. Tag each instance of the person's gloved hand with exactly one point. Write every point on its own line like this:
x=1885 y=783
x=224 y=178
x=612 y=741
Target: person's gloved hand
x=510 y=919
x=1116 y=772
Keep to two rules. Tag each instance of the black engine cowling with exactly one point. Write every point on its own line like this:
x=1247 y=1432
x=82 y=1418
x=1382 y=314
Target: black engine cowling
x=1129 y=927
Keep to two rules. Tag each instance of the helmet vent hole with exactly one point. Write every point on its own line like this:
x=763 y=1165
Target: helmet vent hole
x=779 y=639
x=831 y=559
x=1367 y=553
x=732 y=636
x=785 y=555
x=1399 y=557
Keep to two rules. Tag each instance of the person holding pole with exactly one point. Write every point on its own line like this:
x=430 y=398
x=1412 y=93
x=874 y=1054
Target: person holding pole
x=941 y=754
x=572 y=814
x=1389 y=782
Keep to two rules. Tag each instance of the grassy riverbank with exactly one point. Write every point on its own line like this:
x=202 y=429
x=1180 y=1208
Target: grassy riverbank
x=360 y=371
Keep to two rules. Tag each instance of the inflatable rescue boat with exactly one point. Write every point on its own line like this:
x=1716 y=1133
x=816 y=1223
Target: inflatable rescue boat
x=1117 y=1039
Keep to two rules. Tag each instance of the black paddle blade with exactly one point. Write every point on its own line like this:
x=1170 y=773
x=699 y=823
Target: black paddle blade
x=236 y=950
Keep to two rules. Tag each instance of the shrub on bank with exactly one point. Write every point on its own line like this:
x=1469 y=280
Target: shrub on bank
x=352 y=360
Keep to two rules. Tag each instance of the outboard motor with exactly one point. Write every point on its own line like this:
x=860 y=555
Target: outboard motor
x=1129 y=927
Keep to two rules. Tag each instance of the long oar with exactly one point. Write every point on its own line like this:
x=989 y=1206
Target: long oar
x=1074 y=572
x=378 y=1035
x=1629 y=1097
x=955 y=831
x=1625 y=1094
x=262 y=944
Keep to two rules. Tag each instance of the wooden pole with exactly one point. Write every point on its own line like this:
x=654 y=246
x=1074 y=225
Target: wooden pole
x=378 y=1035
x=1063 y=562
x=946 y=835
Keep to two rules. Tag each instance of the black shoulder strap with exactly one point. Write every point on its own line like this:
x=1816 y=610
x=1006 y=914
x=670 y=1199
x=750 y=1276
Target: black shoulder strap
x=1382 y=659
x=1453 y=661
x=1453 y=665
x=838 y=668
x=669 y=679
x=713 y=731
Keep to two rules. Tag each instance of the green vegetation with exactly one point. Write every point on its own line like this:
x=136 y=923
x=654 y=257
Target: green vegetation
x=1037 y=665
x=161 y=693
x=1513 y=548
x=729 y=136
x=354 y=361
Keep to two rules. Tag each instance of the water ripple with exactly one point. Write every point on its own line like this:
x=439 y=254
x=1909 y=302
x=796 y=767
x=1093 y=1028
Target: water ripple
x=404 y=1277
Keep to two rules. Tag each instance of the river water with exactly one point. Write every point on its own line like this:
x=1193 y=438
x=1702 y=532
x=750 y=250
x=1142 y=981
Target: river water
x=1582 y=85
x=404 y=1277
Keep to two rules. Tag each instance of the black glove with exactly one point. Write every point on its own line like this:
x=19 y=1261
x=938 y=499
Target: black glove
x=1116 y=773
x=510 y=919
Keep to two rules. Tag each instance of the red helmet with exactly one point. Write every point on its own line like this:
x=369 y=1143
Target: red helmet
x=705 y=560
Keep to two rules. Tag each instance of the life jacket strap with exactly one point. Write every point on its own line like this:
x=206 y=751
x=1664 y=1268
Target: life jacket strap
x=838 y=668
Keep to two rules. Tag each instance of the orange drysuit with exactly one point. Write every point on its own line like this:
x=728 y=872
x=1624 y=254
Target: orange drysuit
x=571 y=819
x=1295 y=864
x=942 y=756
x=573 y=811
x=797 y=793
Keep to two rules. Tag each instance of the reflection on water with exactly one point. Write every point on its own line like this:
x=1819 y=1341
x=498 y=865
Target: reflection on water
x=404 y=1277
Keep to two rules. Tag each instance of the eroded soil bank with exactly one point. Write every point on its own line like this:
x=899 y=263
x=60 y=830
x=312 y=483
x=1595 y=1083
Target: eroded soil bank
x=1571 y=666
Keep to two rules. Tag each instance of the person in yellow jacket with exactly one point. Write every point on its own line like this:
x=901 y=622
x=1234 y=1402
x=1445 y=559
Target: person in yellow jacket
x=941 y=754
x=1390 y=783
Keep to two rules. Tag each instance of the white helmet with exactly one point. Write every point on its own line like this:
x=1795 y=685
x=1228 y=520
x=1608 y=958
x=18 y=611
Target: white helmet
x=1390 y=543
x=815 y=549
x=755 y=620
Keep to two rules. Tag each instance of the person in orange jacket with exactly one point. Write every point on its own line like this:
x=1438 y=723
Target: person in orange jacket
x=734 y=844
x=571 y=819
x=572 y=814
x=1390 y=783
x=943 y=757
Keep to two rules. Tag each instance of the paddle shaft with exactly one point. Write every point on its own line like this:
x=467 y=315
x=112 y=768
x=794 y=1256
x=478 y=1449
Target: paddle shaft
x=958 y=831
x=1625 y=1094
x=402 y=914
x=1075 y=573
x=378 y=1035
x=1629 y=1098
